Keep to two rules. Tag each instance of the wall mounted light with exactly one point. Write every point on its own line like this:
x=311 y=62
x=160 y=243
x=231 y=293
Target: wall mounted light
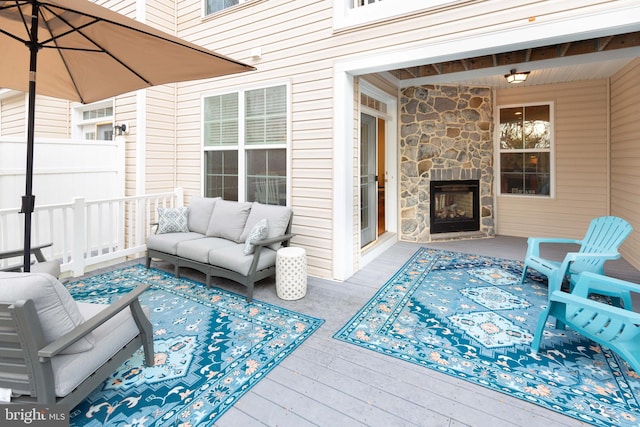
x=121 y=128
x=516 y=76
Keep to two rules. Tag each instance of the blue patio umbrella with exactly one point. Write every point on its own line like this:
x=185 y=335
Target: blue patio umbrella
x=80 y=51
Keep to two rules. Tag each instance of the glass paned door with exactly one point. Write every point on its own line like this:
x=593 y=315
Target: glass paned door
x=368 y=180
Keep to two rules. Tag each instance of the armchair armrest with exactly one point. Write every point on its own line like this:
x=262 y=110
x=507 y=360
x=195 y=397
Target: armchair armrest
x=588 y=281
x=128 y=300
x=267 y=242
x=259 y=244
x=571 y=257
x=35 y=250
x=533 y=243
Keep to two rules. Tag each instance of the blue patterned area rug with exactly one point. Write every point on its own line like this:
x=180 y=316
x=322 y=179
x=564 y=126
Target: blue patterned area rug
x=211 y=347
x=468 y=316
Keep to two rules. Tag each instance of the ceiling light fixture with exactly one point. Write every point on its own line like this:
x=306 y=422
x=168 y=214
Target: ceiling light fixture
x=516 y=77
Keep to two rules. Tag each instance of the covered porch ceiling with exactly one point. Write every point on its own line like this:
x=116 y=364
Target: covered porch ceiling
x=588 y=59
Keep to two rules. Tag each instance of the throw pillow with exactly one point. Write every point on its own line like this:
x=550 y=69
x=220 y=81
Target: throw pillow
x=173 y=220
x=277 y=220
x=258 y=232
x=57 y=311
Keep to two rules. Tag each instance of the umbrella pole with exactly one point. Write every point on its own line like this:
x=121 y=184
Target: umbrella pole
x=28 y=200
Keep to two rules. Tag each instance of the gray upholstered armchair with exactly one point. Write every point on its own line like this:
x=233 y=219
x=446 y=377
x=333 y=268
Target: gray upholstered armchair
x=56 y=350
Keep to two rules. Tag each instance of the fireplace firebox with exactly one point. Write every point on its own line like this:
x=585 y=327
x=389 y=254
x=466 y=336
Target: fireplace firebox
x=455 y=206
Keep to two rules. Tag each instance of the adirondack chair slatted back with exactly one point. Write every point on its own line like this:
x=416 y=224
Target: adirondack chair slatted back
x=605 y=234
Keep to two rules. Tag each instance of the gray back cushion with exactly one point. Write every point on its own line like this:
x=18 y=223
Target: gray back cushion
x=200 y=210
x=228 y=220
x=277 y=221
x=57 y=312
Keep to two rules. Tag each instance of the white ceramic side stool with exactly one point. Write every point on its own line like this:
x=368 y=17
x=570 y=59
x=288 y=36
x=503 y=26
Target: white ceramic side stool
x=291 y=273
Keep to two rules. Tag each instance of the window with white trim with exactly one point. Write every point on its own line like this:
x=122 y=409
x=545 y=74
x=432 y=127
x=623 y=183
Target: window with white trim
x=94 y=121
x=350 y=13
x=213 y=6
x=245 y=137
x=526 y=149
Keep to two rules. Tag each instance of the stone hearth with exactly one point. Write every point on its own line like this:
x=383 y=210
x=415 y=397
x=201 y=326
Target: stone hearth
x=446 y=134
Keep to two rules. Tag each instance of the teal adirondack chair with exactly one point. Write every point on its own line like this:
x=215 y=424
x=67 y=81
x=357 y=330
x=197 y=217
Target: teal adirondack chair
x=613 y=327
x=600 y=244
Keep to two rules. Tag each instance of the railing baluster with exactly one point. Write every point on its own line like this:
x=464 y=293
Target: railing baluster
x=85 y=234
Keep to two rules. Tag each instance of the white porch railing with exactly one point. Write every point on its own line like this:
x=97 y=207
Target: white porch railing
x=87 y=234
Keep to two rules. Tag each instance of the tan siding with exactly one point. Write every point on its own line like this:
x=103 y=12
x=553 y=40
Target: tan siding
x=581 y=157
x=160 y=142
x=625 y=154
x=52 y=118
x=125 y=111
x=13 y=115
x=311 y=106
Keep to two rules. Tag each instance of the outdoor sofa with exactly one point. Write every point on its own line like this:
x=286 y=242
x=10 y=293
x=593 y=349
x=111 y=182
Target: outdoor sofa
x=221 y=238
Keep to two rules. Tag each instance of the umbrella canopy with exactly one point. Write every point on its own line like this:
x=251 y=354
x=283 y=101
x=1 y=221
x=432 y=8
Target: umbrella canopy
x=87 y=52
x=80 y=51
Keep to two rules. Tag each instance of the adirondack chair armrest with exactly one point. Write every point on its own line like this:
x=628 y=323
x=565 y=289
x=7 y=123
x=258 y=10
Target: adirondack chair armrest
x=533 y=243
x=571 y=257
x=574 y=256
x=128 y=300
x=588 y=281
x=576 y=300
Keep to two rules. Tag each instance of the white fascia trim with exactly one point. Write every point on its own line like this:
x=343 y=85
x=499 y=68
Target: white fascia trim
x=541 y=32
x=343 y=242
x=7 y=93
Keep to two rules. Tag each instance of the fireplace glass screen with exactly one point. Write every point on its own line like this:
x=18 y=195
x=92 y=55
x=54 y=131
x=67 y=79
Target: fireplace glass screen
x=454 y=206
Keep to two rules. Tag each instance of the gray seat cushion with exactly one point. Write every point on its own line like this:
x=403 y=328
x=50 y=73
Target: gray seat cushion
x=168 y=243
x=198 y=250
x=233 y=258
x=70 y=370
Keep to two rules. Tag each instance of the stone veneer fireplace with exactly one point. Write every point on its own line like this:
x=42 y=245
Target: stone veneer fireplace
x=446 y=135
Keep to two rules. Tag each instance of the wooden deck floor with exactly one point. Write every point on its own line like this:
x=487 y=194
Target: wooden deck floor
x=326 y=382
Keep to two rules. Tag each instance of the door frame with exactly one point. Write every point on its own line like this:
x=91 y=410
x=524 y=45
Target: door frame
x=372 y=142
x=391 y=204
